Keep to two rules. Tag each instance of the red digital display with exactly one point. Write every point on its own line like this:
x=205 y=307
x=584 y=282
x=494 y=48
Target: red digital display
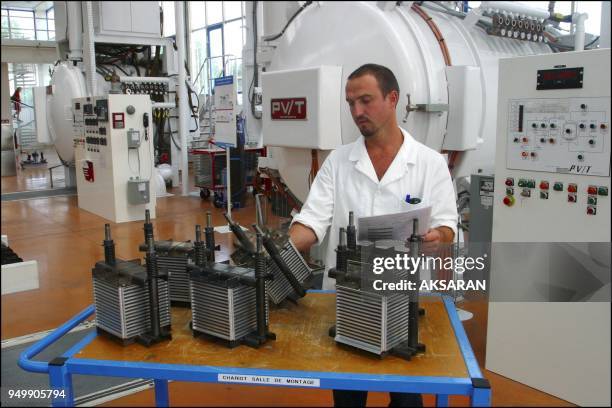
x=561 y=78
x=560 y=74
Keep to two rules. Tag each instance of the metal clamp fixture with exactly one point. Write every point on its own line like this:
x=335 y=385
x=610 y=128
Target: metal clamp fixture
x=424 y=107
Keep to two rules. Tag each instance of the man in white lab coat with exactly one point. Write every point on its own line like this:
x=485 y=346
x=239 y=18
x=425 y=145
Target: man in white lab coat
x=373 y=176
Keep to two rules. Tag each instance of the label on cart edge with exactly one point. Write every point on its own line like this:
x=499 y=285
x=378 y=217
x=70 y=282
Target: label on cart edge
x=265 y=379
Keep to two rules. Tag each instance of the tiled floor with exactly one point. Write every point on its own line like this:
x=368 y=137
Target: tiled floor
x=66 y=242
x=35 y=177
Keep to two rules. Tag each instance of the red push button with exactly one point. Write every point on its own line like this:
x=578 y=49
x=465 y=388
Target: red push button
x=571 y=198
x=544 y=185
x=592 y=190
x=525 y=140
x=525 y=154
x=509 y=201
x=572 y=188
x=509 y=181
x=591 y=211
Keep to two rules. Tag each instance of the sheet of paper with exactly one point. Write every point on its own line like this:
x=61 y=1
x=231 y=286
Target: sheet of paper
x=397 y=226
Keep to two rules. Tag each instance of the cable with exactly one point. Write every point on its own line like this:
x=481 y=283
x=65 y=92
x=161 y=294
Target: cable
x=120 y=69
x=274 y=37
x=568 y=48
x=172 y=136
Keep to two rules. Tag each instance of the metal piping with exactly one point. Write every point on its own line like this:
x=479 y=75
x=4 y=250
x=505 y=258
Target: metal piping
x=183 y=111
x=91 y=61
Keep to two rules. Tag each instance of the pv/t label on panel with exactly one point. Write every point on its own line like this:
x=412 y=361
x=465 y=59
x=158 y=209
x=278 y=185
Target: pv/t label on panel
x=288 y=108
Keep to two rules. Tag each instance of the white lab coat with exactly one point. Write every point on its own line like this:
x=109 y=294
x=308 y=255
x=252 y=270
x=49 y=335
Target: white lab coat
x=347 y=182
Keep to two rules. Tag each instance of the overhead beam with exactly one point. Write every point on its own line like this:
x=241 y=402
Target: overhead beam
x=28 y=51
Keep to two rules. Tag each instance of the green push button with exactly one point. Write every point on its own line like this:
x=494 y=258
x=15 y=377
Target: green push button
x=531 y=183
x=522 y=183
x=592 y=200
x=558 y=186
x=602 y=191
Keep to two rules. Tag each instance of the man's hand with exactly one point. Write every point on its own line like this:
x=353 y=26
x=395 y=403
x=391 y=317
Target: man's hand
x=303 y=237
x=434 y=238
x=440 y=234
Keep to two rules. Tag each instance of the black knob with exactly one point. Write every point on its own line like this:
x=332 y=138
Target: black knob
x=543 y=125
x=534 y=125
x=568 y=131
x=591 y=142
x=583 y=106
x=543 y=140
x=582 y=126
x=580 y=157
x=592 y=126
x=552 y=126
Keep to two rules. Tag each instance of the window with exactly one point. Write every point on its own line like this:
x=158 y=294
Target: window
x=232 y=9
x=197 y=15
x=217 y=38
x=214 y=12
x=28 y=24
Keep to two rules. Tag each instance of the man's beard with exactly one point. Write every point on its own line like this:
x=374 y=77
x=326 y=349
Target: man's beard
x=368 y=131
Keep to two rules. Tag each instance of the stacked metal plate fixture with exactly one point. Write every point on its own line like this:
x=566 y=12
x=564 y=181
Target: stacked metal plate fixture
x=379 y=322
x=229 y=302
x=125 y=307
x=172 y=257
x=280 y=288
x=291 y=274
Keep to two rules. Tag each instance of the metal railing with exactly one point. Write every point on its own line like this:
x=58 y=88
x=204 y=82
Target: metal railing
x=25 y=126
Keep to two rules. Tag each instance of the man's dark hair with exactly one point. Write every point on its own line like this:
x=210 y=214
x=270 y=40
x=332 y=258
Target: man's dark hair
x=384 y=76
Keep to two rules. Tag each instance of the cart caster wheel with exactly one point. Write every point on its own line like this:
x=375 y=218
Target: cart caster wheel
x=204 y=193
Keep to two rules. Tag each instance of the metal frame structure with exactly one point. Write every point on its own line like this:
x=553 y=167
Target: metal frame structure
x=212 y=172
x=62 y=368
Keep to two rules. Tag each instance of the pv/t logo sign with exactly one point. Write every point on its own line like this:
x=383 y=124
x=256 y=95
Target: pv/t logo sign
x=288 y=108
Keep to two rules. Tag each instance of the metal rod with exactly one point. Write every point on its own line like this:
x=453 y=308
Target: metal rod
x=181 y=93
x=152 y=272
x=351 y=235
x=228 y=181
x=200 y=251
x=260 y=289
x=341 y=253
x=109 y=246
x=239 y=233
x=413 y=308
x=258 y=211
x=209 y=234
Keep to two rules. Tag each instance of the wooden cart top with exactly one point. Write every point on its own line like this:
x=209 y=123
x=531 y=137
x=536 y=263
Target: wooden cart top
x=302 y=344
